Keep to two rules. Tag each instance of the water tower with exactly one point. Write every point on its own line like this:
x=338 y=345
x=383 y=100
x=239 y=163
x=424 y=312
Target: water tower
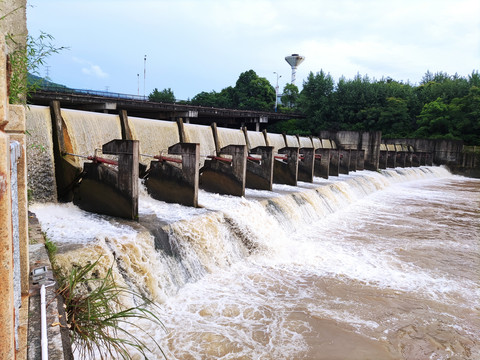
x=294 y=60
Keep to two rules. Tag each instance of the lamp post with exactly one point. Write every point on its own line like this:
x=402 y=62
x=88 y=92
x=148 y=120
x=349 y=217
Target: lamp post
x=138 y=84
x=276 y=91
x=144 y=74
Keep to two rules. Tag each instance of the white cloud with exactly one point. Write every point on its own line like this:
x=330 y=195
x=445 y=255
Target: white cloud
x=90 y=68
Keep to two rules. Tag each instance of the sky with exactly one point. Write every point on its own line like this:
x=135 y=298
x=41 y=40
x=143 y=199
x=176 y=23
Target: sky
x=203 y=45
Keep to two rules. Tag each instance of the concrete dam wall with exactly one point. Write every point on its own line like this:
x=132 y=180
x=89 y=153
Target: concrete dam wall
x=95 y=159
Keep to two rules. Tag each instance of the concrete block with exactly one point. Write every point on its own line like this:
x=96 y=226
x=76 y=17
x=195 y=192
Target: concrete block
x=109 y=191
x=16 y=119
x=260 y=173
x=226 y=173
x=7 y=325
x=305 y=164
x=322 y=163
x=170 y=182
x=334 y=168
x=344 y=161
x=285 y=171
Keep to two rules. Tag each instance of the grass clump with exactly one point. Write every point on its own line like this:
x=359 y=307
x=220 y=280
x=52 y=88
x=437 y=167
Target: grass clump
x=98 y=321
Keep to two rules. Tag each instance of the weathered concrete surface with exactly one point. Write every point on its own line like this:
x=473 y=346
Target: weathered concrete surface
x=383 y=158
x=334 y=169
x=108 y=191
x=352 y=165
x=260 y=173
x=360 y=160
x=286 y=171
x=445 y=152
x=305 y=164
x=7 y=316
x=354 y=140
x=176 y=184
x=226 y=177
x=322 y=163
x=66 y=172
x=59 y=347
x=16 y=130
x=344 y=161
x=371 y=144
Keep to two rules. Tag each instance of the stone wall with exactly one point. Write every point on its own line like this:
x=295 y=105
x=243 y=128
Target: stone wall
x=14 y=267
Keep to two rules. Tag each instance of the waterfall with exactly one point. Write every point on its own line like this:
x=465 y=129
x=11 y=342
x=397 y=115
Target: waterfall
x=40 y=164
x=155 y=137
x=278 y=273
x=173 y=245
x=89 y=131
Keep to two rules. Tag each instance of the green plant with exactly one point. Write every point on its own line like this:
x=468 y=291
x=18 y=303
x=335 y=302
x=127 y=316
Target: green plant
x=26 y=60
x=96 y=318
x=51 y=251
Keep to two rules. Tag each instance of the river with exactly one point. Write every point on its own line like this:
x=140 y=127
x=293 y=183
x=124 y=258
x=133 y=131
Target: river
x=365 y=266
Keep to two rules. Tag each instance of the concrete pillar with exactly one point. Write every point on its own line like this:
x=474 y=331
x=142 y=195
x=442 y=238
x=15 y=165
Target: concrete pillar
x=322 y=163
x=370 y=142
x=352 y=165
x=305 y=165
x=7 y=324
x=225 y=175
x=128 y=154
x=360 y=160
x=16 y=131
x=260 y=174
x=170 y=183
x=109 y=191
x=66 y=170
x=125 y=126
x=286 y=172
x=344 y=161
x=216 y=139
x=181 y=131
x=334 y=168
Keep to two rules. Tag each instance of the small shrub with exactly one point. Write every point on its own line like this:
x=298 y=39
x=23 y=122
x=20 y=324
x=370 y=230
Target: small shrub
x=96 y=318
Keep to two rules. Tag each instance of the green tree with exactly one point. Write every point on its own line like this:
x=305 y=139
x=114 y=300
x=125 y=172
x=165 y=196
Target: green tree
x=465 y=115
x=290 y=96
x=164 y=96
x=394 y=119
x=253 y=92
x=316 y=102
x=434 y=121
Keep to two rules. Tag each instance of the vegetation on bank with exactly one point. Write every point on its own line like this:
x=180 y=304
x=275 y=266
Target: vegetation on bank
x=442 y=106
x=97 y=320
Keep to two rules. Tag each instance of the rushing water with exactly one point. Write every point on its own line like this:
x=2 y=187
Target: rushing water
x=366 y=266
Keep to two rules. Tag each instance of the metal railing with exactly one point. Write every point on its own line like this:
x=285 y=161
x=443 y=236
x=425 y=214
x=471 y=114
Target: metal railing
x=66 y=90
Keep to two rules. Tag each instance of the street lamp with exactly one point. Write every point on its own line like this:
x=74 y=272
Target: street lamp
x=138 y=84
x=144 y=74
x=276 y=91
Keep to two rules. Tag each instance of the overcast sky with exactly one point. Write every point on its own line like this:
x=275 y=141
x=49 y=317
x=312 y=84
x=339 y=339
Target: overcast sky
x=204 y=45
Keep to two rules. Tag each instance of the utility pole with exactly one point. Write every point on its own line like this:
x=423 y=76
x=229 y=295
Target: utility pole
x=144 y=75
x=276 y=91
x=138 y=84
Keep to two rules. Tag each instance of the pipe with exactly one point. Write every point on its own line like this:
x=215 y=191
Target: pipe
x=44 y=341
x=165 y=158
x=220 y=158
x=94 y=158
x=102 y=160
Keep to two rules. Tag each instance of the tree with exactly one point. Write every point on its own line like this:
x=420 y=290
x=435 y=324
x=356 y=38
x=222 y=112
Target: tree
x=434 y=121
x=290 y=96
x=165 y=96
x=465 y=115
x=316 y=102
x=252 y=92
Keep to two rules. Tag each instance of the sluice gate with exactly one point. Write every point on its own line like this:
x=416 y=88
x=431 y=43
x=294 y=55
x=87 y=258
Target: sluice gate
x=99 y=158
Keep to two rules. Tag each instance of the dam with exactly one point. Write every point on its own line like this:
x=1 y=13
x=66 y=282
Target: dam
x=364 y=264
